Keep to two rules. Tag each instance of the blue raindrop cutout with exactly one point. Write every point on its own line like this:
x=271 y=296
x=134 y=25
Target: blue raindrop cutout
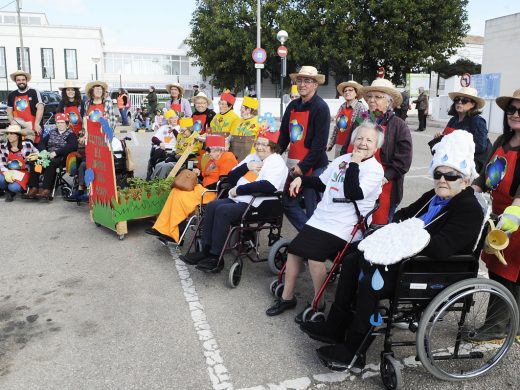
x=377 y=281
x=444 y=158
x=376 y=321
x=463 y=164
x=361 y=275
x=106 y=129
x=89 y=176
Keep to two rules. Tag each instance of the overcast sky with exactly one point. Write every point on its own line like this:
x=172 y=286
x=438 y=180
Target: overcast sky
x=165 y=24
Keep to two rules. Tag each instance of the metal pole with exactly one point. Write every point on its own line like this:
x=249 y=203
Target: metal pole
x=22 y=54
x=95 y=65
x=282 y=75
x=50 y=82
x=258 y=44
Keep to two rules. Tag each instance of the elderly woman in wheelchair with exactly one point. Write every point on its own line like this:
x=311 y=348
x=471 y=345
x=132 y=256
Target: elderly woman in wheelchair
x=180 y=204
x=357 y=176
x=453 y=217
x=263 y=173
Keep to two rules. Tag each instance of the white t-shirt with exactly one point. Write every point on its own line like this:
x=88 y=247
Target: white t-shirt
x=273 y=170
x=339 y=218
x=164 y=131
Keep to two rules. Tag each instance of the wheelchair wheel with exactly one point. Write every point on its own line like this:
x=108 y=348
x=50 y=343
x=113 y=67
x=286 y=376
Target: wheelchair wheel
x=235 y=274
x=391 y=373
x=276 y=289
x=278 y=255
x=66 y=191
x=453 y=326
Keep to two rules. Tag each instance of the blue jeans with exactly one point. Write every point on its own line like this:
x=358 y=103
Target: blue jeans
x=137 y=124
x=13 y=187
x=294 y=213
x=124 y=116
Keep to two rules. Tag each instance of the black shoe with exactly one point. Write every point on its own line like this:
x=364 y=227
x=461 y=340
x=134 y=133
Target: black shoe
x=9 y=196
x=210 y=265
x=153 y=232
x=321 y=331
x=194 y=257
x=338 y=357
x=165 y=240
x=299 y=318
x=280 y=306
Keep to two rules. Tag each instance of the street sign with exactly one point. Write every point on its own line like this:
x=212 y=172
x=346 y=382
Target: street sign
x=381 y=72
x=465 y=80
x=259 y=66
x=282 y=51
x=259 y=55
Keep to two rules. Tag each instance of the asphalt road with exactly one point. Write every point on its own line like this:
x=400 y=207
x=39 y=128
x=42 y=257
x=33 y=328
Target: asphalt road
x=80 y=309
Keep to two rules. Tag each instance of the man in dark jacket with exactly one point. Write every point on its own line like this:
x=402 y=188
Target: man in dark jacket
x=151 y=98
x=421 y=104
x=305 y=129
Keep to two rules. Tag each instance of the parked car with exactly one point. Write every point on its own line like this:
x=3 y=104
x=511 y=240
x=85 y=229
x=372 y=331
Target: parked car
x=51 y=100
x=4 y=120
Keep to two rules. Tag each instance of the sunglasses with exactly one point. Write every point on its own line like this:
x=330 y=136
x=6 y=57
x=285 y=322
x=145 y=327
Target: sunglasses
x=462 y=100
x=448 y=176
x=512 y=109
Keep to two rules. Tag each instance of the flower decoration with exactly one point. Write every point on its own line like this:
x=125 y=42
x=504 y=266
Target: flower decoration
x=267 y=122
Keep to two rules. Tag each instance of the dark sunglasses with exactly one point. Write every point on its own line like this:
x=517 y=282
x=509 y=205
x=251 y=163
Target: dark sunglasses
x=512 y=109
x=462 y=100
x=448 y=176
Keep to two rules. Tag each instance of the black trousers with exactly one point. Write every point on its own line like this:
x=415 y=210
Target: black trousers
x=49 y=174
x=218 y=217
x=422 y=119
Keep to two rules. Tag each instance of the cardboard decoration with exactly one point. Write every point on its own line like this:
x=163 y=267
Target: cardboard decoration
x=108 y=206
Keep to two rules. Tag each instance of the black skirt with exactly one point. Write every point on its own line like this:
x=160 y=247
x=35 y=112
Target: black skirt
x=315 y=244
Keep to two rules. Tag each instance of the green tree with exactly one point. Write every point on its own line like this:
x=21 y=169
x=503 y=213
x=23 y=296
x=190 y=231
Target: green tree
x=458 y=68
x=403 y=36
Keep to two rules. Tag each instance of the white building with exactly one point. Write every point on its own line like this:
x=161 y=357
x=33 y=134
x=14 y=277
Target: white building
x=472 y=49
x=55 y=53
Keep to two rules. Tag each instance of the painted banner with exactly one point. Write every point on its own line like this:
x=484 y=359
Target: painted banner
x=416 y=80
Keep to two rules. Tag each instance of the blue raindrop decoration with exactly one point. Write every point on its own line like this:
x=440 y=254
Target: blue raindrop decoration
x=361 y=275
x=376 y=321
x=89 y=176
x=463 y=164
x=106 y=129
x=377 y=281
x=444 y=158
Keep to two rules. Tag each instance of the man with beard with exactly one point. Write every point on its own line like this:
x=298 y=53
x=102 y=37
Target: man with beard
x=25 y=105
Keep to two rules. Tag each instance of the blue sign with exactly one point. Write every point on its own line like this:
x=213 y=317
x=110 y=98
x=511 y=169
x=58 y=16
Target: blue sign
x=487 y=85
x=259 y=55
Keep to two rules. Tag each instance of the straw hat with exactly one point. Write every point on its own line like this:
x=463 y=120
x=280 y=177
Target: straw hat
x=470 y=93
x=95 y=83
x=341 y=87
x=250 y=102
x=503 y=101
x=70 y=84
x=176 y=85
x=201 y=95
x=385 y=86
x=20 y=73
x=14 y=129
x=310 y=72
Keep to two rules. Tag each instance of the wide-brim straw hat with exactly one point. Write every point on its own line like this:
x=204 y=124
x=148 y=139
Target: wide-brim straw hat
x=201 y=95
x=15 y=129
x=70 y=84
x=341 y=87
x=310 y=72
x=503 y=101
x=470 y=93
x=20 y=73
x=176 y=85
x=385 y=86
x=94 y=83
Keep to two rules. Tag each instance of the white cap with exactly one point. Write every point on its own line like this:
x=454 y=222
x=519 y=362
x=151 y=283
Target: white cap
x=456 y=150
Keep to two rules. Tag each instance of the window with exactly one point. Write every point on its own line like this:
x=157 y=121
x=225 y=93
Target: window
x=128 y=63
x=3 y=66
x=71 y=65
x=9 y=19
x=26 y=60
x=47 y=63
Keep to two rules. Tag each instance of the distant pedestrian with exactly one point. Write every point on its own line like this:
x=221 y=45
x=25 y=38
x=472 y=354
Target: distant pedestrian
x=196 y=89
x=122 y=103
x=421 y=104
x=152 y=102
x=402 y=110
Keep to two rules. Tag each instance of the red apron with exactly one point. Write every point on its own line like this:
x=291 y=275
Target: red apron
x=16 y=162
x=502 y=199
x=344 y=124
x=298 y=123
x=202 y=119
x=380 y=217
x=95 y=112
x=74 y=118
x=22 y=110
x=448 y=130
x=176 y=107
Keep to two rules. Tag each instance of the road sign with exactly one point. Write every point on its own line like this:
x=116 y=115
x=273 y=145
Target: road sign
x=282 y=51
x=259 y=55
x=259 y=66
x=381 y=72
x=465 y=80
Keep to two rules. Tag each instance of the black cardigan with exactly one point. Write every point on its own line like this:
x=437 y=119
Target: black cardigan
x=456 y=231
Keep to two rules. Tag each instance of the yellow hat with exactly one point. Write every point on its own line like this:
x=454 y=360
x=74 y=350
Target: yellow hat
x=184 y=123
x=169 y=114
x=250 y=102
x=294 y=89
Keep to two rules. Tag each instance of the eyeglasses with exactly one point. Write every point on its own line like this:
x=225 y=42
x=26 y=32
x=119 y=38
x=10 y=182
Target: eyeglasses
x=512 y=109
x=376 y=97
x=265 y=145
x=461 y=100
x=448 y=176
x=305 y=81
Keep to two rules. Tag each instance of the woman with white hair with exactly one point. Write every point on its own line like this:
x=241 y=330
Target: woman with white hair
x=356 y=176
x=396 y=153
x=452 y=216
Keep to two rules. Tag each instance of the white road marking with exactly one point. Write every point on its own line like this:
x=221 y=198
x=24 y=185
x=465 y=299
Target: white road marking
x=218 y=373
